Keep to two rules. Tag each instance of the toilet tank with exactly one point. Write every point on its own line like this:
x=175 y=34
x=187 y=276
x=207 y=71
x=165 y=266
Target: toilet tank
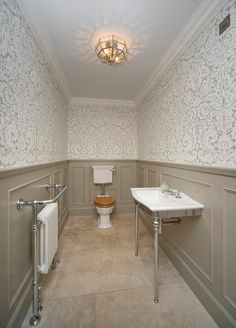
x=102 y=174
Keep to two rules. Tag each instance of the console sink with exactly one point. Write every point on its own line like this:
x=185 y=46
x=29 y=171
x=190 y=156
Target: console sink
x=156 y=201
x=162 y=208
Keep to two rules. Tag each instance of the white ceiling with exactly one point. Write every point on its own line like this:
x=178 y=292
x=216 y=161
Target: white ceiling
x=68 y=30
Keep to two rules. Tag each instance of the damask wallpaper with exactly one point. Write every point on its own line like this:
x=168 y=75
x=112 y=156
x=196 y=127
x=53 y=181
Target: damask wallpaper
x=189 y=116
x=102 y=132
x=33 y=110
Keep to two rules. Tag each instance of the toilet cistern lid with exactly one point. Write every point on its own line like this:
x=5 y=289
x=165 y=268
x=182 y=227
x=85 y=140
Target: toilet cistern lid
x=102 y=174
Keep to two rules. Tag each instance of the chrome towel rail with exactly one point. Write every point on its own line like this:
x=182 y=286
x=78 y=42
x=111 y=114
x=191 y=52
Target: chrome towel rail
x=54 y=186
x=21 y=203
x=37 y=290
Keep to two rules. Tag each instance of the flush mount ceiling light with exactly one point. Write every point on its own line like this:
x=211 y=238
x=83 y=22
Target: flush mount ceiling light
x=111 y=50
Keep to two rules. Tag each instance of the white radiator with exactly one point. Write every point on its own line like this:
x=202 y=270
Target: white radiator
x=48 y=239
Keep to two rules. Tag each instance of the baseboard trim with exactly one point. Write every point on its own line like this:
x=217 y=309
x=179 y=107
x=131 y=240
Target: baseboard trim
x=212 y=305
x=18 y=315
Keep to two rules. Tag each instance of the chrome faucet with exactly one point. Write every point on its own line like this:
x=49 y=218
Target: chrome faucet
x=167 y=190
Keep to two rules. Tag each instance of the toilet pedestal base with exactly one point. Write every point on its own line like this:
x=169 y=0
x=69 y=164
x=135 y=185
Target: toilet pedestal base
x=104 y=222
x=104 y=217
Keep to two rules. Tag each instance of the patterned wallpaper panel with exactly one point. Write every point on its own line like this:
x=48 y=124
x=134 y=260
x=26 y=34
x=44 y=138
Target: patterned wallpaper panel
x=33 y=110
x=189 y=116
x=102 y=132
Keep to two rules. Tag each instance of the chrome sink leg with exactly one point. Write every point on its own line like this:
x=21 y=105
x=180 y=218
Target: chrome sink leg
x=156 y=226
x=136 y=229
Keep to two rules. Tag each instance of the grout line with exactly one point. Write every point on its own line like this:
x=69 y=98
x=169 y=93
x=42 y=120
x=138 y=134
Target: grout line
x=105 y=292
x=115 y=291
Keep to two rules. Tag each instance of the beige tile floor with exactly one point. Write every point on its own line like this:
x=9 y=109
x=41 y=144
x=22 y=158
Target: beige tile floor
x=101 y=284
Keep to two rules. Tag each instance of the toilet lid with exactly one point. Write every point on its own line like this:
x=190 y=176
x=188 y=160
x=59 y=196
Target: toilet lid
x=104 y=201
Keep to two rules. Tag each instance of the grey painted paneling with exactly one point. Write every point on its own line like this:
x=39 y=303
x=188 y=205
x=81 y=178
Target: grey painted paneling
x=127 y=181
x=64 y=199
x=57 y=177
x=15 y=234
x=83 y=191
x=187 y=236
x=78 y=185
x=202 y=248
x=147 y=175
x=152 y=178
x=140 y=177
x=229 y=249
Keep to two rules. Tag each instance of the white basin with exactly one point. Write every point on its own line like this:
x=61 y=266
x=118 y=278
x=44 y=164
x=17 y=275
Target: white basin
x=156 y=201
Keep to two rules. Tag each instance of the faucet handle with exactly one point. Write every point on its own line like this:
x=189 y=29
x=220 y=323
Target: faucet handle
x=178 y=194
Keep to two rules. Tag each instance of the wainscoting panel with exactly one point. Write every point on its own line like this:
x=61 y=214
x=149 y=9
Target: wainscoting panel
x=229 y=245
x=147 y=176
x=152 y=178
x=57 y=176
x=127 y=181
x=83 y=191
x=94 y=192
x=186 y=237
x=64 y=199
x=140 y=176
x=202 y=248
x=16 y=234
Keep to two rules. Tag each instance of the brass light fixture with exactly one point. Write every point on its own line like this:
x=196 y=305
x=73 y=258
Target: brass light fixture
x=111 y=50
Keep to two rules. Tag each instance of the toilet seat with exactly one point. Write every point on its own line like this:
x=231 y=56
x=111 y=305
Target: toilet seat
x=104 y=202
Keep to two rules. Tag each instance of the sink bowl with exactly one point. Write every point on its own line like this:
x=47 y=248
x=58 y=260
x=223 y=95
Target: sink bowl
x=156 y=201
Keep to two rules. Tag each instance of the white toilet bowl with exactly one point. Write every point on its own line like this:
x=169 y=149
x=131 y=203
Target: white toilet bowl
x=104 y=206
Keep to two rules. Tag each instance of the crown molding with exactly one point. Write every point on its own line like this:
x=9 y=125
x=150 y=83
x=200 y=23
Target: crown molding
x=102 y=102
x=45 y=46
x=202 y=15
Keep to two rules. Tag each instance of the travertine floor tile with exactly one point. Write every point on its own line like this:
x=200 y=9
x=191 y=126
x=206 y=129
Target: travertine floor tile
x=74 y=240
x=95 y=271
x=100 y=283
x=135 y=308
x=49 y=282
x=79 y=274
x=126 y=235
x=67 y=313
x=166 y=273
x=81 y=222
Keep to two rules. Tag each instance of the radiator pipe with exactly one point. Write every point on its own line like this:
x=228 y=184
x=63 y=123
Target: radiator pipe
x=36 y=306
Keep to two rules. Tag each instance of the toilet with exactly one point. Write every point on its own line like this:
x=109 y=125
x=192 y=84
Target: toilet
x=104 y=203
